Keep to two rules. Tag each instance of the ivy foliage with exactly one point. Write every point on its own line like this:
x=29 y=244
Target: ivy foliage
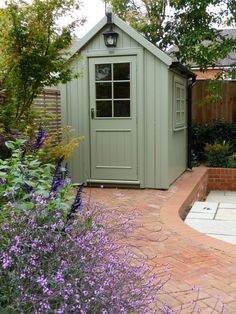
x=32 y=54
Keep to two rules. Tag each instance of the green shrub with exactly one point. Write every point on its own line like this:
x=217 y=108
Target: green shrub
x=195 y=162
x=217 y=155
x=24 y=179
x=232 y=161
x=214 y=132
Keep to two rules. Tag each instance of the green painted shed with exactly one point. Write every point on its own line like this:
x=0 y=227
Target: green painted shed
x=131 y=102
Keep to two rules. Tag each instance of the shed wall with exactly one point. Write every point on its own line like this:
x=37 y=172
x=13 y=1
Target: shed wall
x=75 y=110
x=158 y=148
x=156 y=122
x=177 y=152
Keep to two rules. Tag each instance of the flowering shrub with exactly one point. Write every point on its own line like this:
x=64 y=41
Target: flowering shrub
x=218 y=154
x=54 y=268
x=25 y=183
x=59 y=256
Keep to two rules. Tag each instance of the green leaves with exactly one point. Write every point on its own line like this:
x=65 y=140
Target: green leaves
x=31 y=52
x=190 y=25
x=25 y=185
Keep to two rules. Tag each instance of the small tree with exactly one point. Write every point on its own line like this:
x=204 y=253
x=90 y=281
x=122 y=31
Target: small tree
x=32 y=56
x=190 y=25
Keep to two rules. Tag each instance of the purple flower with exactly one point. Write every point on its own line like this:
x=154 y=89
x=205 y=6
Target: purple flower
x=6 y=261
x=57 y=180
x=41 y=137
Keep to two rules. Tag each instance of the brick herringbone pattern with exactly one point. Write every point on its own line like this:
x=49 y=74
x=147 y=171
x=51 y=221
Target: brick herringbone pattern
x=191 y=258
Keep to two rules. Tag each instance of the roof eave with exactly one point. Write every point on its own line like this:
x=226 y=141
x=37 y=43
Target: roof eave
x=176 y=65
x=83 y=41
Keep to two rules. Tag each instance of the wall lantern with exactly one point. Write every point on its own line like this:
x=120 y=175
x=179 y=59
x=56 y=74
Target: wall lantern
x=110 y=37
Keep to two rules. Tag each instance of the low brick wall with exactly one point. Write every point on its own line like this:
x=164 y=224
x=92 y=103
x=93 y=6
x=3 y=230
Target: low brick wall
x=194 y=190
x=221 y=179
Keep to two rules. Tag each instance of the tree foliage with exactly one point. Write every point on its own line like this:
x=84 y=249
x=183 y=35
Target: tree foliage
x=189 y=25
x=31 y=54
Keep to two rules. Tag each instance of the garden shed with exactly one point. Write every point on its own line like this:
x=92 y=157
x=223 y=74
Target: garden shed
x=131 y=103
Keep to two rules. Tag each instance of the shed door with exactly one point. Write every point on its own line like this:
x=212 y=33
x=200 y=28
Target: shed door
x=113 y=118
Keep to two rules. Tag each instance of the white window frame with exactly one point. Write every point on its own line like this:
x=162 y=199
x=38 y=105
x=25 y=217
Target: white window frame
x=179 y=105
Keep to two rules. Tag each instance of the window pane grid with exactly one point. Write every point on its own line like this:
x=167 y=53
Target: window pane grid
x=179 y=108
x=111 y=82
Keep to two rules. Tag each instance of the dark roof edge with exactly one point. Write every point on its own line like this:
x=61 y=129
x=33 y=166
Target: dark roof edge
x=176 y=65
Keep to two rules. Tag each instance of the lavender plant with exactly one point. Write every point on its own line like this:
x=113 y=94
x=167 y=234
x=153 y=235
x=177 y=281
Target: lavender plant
x=51 y=267
x=64 y=256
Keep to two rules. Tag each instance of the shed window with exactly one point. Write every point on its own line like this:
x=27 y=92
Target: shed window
x=112 y=90
x=179 y=107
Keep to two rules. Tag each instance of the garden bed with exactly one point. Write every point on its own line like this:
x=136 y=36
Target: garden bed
x=193 y=187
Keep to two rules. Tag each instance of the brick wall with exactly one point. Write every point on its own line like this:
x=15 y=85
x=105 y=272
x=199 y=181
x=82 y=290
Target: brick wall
x=209 y=74
x=221 y=179
x=194 y=189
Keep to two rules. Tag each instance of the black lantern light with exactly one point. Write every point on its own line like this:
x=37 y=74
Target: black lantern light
x=110 y=37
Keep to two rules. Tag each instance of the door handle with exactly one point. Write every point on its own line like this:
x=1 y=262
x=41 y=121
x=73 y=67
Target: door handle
x=92 y=113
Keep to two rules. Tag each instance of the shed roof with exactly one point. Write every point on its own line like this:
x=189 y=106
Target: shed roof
x=78 y=45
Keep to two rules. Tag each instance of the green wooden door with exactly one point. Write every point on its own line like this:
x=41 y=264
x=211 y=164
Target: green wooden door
x=113 y=118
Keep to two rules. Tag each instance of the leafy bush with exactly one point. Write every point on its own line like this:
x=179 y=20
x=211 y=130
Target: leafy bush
x=232 y=161
x=217 y=155
x=24 y=180
x=58 y=145
x=215 y=132
x=59 y=256
x=49 y=147
x=195 y=162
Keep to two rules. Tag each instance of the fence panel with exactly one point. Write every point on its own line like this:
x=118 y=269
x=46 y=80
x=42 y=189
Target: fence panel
x=49 y=102
x=226 y=108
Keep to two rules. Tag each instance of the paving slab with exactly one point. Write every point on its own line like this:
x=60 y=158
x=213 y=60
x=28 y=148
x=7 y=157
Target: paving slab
x=227 y=205
x=226 y=238
x=225 y=197
x=216 y=192
x=204 y=207
x=230 y=193
x=213 y=226
x=227 y=214
x=201 y=215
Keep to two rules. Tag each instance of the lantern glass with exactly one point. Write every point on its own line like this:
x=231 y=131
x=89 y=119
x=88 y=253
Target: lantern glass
x=110 y=38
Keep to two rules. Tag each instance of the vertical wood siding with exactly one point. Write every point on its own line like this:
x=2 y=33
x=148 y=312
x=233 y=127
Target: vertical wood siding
x=226 y=108
x=177 y=149
x=153 y=100
x=156 y=122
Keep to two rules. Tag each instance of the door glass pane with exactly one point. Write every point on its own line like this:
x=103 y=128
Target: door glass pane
x=104 y=108
x=121 y=71
x=122 y=108
x=103 y=72
x=178 y=92
x=103 y=91
x=121 y=90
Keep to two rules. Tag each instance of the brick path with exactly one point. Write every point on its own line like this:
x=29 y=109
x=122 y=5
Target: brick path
x=193 y=258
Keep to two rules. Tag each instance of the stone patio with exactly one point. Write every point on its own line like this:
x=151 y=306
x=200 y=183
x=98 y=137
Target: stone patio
x=216 y=216
x=192 y=257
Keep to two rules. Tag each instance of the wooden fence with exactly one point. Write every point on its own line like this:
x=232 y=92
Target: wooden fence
x=225 y=108
x=48 y=102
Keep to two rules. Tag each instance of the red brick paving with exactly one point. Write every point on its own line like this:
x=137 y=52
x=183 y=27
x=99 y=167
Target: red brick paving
x=192 y=258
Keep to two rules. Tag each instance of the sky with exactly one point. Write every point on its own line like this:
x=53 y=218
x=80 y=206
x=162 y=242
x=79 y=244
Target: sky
x=94 y=11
